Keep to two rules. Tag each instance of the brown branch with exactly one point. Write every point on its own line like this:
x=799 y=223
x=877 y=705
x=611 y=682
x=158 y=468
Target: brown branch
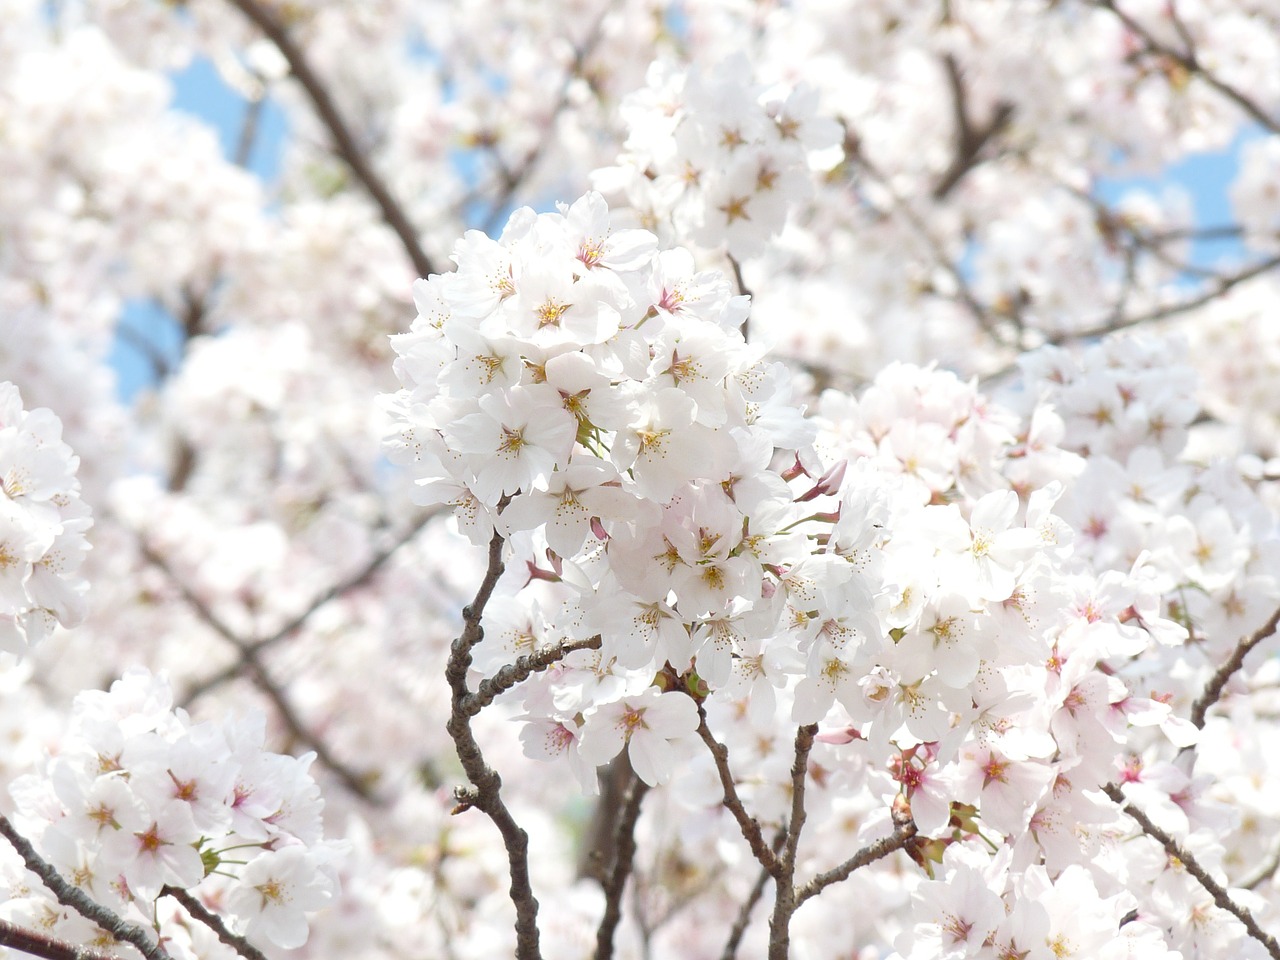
x=42 y=945
x=969 y=139
x=988 y=322
x=514 y=673
x=486 y=785
x=1223 y=285
x=904 y=832
x=343 y=139
x=743 y=919
x=1190 y=62
x=1264 y=872
x=252 y=661
x=1189 y=863
x=785 y=902
x=624 y=847
x=746 y=823
x=79 y=901
x=211 y=920
x=1213 y=689
x=249 y=130
x=341 y=588
x=743 y=291
x=512 y=178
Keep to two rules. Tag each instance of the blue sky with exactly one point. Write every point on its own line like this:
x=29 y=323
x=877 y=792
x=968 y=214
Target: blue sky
x=199 y=90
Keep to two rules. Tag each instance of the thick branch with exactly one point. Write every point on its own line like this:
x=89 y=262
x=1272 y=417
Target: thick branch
x=624 y=847
x=485 y=792
x=42 y=945
x=1213 y=689
x=746 y=823
x=344 y=141
x=211 y=920
x=79 y=901
x=1189 y=863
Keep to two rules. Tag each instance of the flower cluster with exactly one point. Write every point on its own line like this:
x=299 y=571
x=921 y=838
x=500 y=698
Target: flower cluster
x=42 y=526
x=915 y=571
x=716 y=159
x=572 y=383
x=139 y=798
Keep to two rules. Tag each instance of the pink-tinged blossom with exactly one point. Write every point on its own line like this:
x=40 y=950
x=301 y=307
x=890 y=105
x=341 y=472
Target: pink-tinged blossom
x=544 y=738
x=163 y=851
x=654 y=728
x=1004 y=790
x=956 y=916
x=588 y=228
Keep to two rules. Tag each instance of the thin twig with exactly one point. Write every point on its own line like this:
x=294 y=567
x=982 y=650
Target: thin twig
x=485 y=791
x=249 y=129
x=743 y=291
x=341 y=588
x=343 y=139
x=514 y=673
x=1213 y=689
x=1189 y=863
x=746 y=823
x=252 y=661
x=743 y=919
x=211 y=920
x=624 y=851
x=903 y=833
x=981 y=315
x=1191 y=63
x=79 y=901
x=512 y=178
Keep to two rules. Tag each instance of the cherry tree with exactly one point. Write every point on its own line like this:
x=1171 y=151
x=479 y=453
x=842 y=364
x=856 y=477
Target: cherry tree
x=640 y=479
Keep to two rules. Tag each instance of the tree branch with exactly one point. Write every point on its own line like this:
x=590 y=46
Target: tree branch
x=252 y=661
x=343 y=140
x=904 y=832
x=743 y=919
x=485 y=791
x=969 y=139
x=743 y=291
x=514 y=673
x=1189 y=863
x=214 y=922
x=1213 y=689
x=624 y=847
x=746 y=823
x=1189 y=62
x=342 y=587
x=784 y=902
x=42 y=945
x=79 y=901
